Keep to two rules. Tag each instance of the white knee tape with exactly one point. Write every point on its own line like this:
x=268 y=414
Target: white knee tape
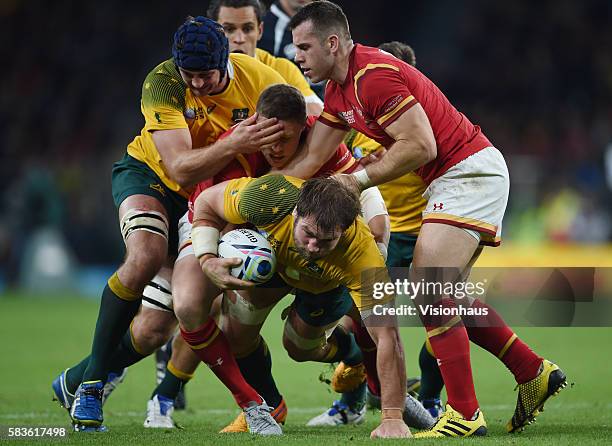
x=301 y=342
x=158 y=295
x=143 y=220
x=243 y=310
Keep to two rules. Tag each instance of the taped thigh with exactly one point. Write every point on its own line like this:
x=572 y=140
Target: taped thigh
x=301 y=342
x=244 y=311
x=158 y=295
x=143 y=220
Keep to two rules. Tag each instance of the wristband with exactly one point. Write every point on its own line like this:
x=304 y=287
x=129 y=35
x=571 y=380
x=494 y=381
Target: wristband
x=205 y=240
x=362 y=178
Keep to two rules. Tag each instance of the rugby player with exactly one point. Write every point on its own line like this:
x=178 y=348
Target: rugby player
x=321 y=248
x=187 y=101
x=467 y=191
x=240 y=322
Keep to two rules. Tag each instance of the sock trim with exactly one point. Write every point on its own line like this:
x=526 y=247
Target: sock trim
x=135 y=346
x=207 y=342
x=120 y=290
x=333 y=351
x=429 y=348
x=183 y=376
x=444 y=328
x=507 y=345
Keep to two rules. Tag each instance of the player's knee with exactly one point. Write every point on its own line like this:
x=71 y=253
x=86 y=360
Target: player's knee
x=189 y=313
x=294 y=352
x=150 y=333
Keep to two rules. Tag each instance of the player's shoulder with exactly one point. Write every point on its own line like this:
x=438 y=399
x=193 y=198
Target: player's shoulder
x=249 y=68
x=268 y=199
x=163 y=84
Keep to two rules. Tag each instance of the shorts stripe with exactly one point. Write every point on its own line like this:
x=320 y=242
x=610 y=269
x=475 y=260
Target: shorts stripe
x=462 y=222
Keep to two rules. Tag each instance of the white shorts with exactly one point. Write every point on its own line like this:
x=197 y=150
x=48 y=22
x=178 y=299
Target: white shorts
x=472 y=195
x=185 y=248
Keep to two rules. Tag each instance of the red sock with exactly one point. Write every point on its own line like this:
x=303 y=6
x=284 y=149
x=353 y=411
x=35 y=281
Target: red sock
x=217 y=355
x=368 y=349
x=491 y=333
x=452 y=349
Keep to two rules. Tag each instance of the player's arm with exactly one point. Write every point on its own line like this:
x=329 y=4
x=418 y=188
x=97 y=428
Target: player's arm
x=376 y=216
x=187 y=166
x=414 y=147
x=209 y=218
x=390 y=364
x=320 y=145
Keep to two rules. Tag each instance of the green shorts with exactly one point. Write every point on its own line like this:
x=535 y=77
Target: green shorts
x=401 y=249
x=322 y=309
x=133 y=177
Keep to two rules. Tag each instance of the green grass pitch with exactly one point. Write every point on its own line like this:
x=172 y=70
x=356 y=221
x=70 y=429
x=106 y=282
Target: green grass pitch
x=40 y=337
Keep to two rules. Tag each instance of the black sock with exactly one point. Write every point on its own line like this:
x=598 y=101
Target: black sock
x=125 y=355
x=431 y=378
x=348 y=350
x=74 y=375
x=114 y=319
x=256 y=368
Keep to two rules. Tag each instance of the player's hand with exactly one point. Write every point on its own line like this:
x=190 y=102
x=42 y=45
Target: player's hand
x=373 y=157
x=391 y=428
x=350 y=182
x=218 y=271
x=251 y=136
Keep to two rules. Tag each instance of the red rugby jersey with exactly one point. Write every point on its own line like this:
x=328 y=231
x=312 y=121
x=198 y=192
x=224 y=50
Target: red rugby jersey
x=379 y=87
x=255 y=165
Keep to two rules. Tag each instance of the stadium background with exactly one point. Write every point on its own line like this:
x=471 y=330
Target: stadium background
x=537 y=76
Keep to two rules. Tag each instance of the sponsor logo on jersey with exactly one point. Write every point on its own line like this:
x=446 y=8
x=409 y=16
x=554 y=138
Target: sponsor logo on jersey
x=347 y=116
x=158 y=187
x=194 y=113
x=158 y=117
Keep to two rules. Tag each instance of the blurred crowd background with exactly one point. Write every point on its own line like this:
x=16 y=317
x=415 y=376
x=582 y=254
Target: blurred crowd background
x=537 y=77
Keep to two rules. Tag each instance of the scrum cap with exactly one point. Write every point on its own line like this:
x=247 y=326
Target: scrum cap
x=200 y=45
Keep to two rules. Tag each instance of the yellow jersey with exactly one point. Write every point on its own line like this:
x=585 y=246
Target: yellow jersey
x=290 y=72
x=267 y=202
x=403 y=196
x=167 y=103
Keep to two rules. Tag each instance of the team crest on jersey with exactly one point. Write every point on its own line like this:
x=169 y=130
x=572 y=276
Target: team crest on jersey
x=240 y=114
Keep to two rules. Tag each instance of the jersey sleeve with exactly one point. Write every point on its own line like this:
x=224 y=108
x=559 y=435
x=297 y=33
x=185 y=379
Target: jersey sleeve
x=260 y=201
x=382 y=91
x=163 y=102
x=329 y=115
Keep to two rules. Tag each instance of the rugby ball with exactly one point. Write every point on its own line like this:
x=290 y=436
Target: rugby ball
x=258 y=259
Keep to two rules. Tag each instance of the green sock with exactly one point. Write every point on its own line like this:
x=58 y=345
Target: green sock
x=355 y=399
x=170 y=386
x=256 y=368
x=431 y=378
x=74 y=375
x=125 y=355
x=114 y=319
x=348 y=350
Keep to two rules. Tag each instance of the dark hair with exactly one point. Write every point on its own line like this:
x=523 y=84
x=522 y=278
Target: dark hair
x=283 y=102
x=330 y=203
x=400 y=50
x=215 y=6
x=326 y=17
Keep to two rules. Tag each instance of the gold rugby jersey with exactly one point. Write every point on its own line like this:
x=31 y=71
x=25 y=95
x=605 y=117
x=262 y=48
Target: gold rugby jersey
x=267 y=202
x=403 y=196
x=167 y=103
x=290 y=72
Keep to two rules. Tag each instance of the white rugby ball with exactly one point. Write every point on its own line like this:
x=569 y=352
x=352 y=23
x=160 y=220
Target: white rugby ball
x=258 y=259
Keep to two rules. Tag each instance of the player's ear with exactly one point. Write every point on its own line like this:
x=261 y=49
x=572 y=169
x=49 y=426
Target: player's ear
x=260 y=32
x=333 y=41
